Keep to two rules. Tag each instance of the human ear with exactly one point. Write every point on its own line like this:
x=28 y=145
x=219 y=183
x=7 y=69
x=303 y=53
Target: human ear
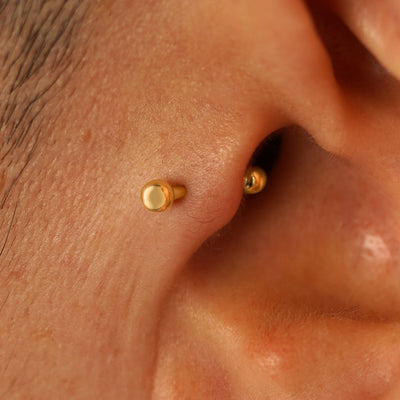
x=377 y=25
x=290 y=296
x=222 y=296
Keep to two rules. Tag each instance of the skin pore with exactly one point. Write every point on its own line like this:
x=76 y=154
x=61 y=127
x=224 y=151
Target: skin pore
x=291 y=294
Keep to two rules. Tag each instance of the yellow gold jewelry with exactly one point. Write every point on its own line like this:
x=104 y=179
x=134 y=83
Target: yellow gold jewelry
x=254 y=180
x=159 y=195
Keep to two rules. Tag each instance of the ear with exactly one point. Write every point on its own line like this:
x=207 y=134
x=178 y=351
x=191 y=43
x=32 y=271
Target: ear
x=370 y=94
x=278 y=292
x=285 y=301
x=377 y=25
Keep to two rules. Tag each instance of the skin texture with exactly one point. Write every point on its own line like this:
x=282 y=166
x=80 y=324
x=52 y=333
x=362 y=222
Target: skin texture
x=292 y=294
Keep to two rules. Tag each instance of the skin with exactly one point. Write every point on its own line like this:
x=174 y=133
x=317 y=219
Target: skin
x=292 y=294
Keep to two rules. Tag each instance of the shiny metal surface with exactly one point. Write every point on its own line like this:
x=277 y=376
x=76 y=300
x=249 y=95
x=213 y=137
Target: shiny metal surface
x=255 y=180
x=158 y=195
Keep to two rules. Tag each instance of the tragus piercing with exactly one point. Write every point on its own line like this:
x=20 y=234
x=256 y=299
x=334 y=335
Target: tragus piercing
x=158 y=195
x=254 y=180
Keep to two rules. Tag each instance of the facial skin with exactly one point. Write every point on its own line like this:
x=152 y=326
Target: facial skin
x=291 y=294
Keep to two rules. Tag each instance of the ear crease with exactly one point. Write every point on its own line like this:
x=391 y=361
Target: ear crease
x=376 y=24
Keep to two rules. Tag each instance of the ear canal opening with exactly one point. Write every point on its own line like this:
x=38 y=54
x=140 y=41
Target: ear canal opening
x=267 y=153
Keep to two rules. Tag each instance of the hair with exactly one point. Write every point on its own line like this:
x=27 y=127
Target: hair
x=38 y=46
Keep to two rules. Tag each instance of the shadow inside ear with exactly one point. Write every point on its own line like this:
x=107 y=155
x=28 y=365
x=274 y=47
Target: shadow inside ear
x=353 y=64
x=267 y=153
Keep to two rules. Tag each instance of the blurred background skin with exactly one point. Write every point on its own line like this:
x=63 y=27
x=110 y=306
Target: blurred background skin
x=292 y=294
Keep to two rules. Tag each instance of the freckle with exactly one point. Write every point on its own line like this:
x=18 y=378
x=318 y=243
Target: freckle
x=87 y=136
x=16 y=275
